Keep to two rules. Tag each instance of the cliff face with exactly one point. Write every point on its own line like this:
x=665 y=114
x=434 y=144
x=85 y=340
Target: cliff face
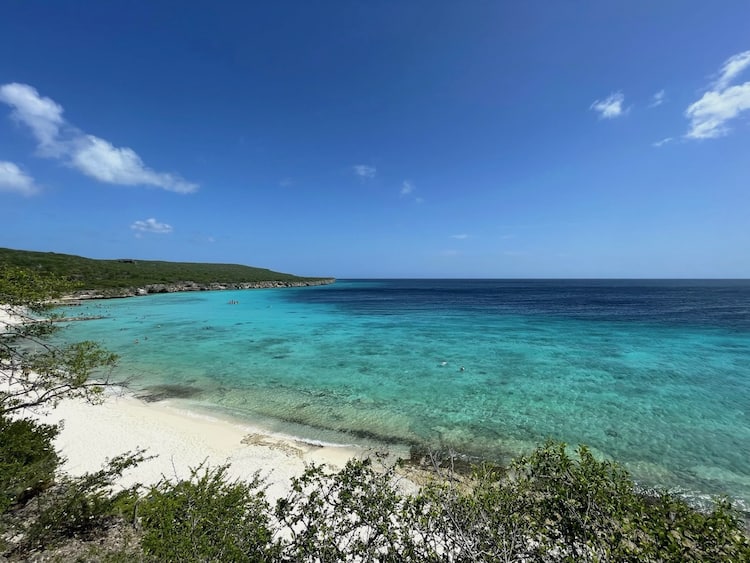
x=192 y=286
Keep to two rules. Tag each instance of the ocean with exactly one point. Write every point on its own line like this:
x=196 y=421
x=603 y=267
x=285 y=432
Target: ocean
x=652 y=373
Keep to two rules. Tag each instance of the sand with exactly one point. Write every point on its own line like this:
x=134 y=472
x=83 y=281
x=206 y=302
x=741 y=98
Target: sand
x=181 y=440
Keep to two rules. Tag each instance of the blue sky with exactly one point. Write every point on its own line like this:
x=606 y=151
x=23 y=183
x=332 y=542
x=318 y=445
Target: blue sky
x=382 y=139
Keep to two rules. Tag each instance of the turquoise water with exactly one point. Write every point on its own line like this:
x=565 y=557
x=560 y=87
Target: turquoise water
x=656 y=377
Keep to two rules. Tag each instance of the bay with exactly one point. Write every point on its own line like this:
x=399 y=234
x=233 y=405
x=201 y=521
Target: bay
x=652 y=373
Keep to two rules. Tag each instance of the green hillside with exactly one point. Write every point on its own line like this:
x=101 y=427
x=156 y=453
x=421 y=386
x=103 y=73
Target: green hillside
x=128 y=273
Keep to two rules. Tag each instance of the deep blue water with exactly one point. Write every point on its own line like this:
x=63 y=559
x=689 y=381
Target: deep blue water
x=653 y=373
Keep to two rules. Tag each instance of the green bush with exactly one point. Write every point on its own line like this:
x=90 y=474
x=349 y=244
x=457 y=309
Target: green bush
x=28 y=460
x=81 y=507
x=551 y=506
x=206 y=518
x=547 y=506
x=353 y=513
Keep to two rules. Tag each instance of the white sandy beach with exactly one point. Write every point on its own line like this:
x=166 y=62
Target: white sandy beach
x=180 y=440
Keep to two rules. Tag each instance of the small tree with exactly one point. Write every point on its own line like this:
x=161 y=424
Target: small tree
x=34 y=373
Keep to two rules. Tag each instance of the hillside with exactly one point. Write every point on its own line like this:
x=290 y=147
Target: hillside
x=122 y=276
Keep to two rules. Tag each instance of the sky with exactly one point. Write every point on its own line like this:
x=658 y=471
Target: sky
x=362 y=139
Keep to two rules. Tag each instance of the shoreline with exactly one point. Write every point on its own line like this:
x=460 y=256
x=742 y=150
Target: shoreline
x=187 y=287
x=181 y=439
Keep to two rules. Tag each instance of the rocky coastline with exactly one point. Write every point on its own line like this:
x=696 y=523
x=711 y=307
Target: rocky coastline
x=185 y=286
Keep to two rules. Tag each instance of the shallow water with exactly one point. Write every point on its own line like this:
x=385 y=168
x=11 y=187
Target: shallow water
x=655 y=374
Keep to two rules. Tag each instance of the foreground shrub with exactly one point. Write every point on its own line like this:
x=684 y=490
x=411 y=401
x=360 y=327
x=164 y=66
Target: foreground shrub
x=551 y=506
x=354 y=514
x=80 y=507
x=28 y=460
x=547 y=506
x=207 y=518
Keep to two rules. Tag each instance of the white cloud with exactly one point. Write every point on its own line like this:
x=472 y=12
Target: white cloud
x=364 y=171
x=98 y=159
x=150 y=226
x=42 y=115
x=733 y=66
x=610 y=107
x=462 y=236
x=91 y=155
x=13 y=179
x=658 y=99
x=711 y=114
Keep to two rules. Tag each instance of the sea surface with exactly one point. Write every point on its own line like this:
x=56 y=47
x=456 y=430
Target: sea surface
x=652 y=373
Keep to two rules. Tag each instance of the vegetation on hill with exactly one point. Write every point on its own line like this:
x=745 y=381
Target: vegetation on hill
x=124 y=273
x=552 y=505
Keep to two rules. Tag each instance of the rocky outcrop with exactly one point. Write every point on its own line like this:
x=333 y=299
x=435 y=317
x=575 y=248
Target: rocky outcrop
x=192 y=286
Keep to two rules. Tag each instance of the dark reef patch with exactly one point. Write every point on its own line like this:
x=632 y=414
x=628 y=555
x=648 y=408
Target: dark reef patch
x=156 y=393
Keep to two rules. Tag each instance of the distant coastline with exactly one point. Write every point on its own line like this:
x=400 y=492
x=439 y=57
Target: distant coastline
x=188 y=286
x=129 y=277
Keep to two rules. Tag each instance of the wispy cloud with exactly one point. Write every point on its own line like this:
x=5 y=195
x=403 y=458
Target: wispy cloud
x=732 y=68
x=662 y=142
x=13 y=179
x=150 y=226
x=658 y=99
x=364 y=171
x=91 y=155
x=407 y=190
x=285 y=182
x=462 y=236
x=711 y=114
x=610 y=107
